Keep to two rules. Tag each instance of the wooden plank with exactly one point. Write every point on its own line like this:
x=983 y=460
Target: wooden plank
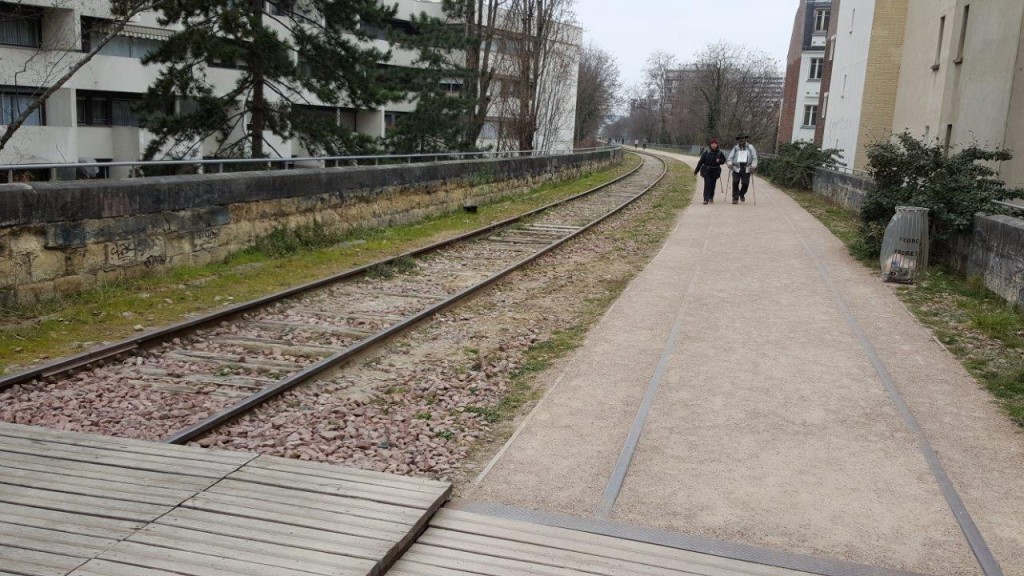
x=300 y=499
x=191 y=563
x=343 y=488
x=334 y=524
x=353 y=474
x=92 y=487
x=123 y=444
x=103 y=472
x=113 y=458
x=481 y=564
x=594 y=544
x=250 y=362
x=210 y=501
x=36 y=562
x=103 y=507
x=258 y=552
x=542 y=555
x=262 y=531
x=406 y=568
x=53 y=541
x=67 y=521
x=108 y=568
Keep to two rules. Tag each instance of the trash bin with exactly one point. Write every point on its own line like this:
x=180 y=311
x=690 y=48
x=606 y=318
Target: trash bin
x=905 y=245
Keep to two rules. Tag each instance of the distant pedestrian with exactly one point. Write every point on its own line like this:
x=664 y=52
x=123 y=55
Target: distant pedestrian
x=636 y=143
x=710 y=168
x=742 y=161
x=645 y=143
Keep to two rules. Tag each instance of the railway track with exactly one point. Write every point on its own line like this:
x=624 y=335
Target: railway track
x=179 y=382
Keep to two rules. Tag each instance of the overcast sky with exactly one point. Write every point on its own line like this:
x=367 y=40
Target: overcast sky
x=632 y=29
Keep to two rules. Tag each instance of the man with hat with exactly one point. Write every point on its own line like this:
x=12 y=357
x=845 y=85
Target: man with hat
x=743 y=161
x=710 y=168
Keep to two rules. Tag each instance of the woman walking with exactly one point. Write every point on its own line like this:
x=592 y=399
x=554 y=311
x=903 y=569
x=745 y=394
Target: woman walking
x=710 y=168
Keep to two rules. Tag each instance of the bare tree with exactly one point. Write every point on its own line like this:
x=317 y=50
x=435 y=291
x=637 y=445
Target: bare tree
x=479 y=21
x=597 y=85
x=539 y=50
x=657 y=75
x=732 y=89
x=57 y=59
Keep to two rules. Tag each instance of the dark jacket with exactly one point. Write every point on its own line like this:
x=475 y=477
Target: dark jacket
x=710 y=163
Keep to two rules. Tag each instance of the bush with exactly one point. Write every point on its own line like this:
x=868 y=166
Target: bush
x=794 y=164
x=953 y=187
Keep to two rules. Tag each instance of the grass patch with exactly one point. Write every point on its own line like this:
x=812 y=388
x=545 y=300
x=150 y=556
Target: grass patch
x=647 y=229
x=981 y=329
x=283 y=259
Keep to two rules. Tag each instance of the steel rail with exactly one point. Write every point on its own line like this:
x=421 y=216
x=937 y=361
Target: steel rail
x=67 y=364
x=192 y=432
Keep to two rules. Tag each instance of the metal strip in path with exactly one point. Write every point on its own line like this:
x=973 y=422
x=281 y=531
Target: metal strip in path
x=989 y=564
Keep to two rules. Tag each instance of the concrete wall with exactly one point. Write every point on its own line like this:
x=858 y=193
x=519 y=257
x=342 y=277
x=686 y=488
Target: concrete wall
x=922 y=83
x=849 y=73
x=994 y=250
x=846 y=190
x=63 y=237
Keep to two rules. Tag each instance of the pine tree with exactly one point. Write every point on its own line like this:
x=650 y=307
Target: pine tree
x=304 y=52
x=437 y=85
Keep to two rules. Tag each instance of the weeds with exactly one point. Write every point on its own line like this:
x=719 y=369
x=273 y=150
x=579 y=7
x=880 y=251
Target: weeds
x=385 y=270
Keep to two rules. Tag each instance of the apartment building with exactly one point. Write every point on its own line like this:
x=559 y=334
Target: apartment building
x=962 y=78
x=826 y=74
x=863 y=63
x=91 y=117
x=805 y=66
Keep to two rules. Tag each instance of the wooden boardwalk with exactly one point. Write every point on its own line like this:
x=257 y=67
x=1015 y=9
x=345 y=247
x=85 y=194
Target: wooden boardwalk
x=83 y=505
x=461 y=543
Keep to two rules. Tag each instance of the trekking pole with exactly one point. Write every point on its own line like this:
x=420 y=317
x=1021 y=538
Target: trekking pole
x=753 y=189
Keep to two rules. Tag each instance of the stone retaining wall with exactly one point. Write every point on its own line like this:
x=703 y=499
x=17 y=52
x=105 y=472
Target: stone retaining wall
x=64 y=237
x=843 y=189
x=994 y=250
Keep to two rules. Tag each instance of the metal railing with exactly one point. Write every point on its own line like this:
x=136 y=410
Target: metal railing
x=137 y=168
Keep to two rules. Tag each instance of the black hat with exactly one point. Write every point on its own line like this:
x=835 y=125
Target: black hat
x=742 y=136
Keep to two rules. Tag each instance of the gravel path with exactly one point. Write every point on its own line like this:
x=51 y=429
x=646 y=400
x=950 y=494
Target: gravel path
x=770 y=426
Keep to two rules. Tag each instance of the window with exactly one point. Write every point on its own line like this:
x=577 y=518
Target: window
x=824 y=105
x=927 y=132
x=938 y=44
x=853 y=19
x=843 y=93
x=281 y=7
x=451 y=86
x=106 y=109
x=963 y=36
x=817 y=66
x=13 y=101
x=391 y=120
x=832 y=49
x=21 y=26
x=948 y=142
x=810 y=116
x=821 y=18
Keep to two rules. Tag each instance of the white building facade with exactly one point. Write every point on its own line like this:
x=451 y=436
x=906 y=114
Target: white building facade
x=91 y=117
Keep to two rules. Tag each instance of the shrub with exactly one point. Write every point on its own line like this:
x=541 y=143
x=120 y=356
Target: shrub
x=794 y=164
x=953 y=187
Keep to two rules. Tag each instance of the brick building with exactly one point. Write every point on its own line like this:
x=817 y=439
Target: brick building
x=804 y=69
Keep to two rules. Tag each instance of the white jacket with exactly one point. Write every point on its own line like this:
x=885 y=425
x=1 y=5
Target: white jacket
x=751 y=160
